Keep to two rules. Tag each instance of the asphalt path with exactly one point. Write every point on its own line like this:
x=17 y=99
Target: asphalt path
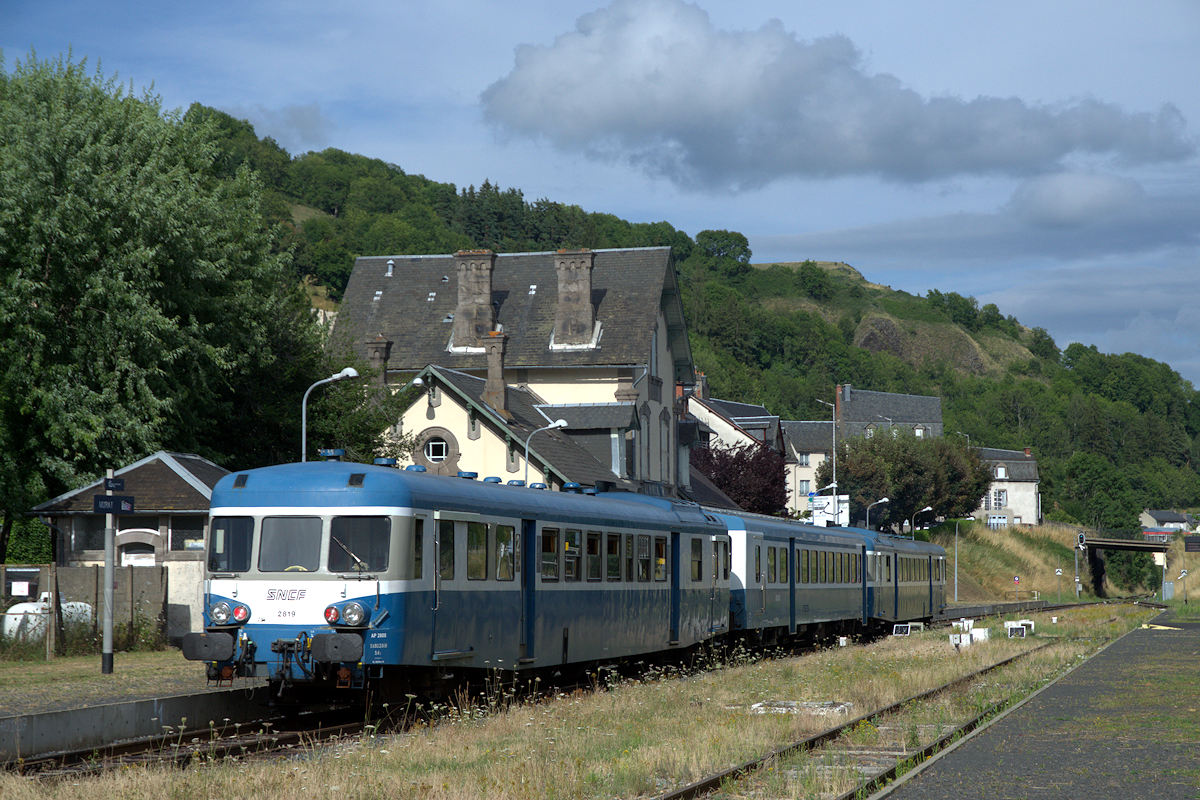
x=1124 y=725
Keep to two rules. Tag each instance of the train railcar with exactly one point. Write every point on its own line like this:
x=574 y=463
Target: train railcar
x=340 y=574
x=793 y=578
x=906 y=579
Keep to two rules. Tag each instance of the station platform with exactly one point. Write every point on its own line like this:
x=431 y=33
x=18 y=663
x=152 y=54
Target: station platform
x=1123 y=725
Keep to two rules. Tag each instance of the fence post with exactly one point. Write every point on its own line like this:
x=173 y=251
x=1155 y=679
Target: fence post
x=52 y=613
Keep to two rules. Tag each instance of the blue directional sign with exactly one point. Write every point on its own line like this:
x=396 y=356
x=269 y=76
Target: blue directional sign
x=114 y=484
x=112 y=504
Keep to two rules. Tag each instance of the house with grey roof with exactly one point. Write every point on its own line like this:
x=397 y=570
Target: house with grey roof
x=1013 y=497
x=865 y=413
x=808 y=444
x=166 y=526
x=1164 y=520
x=596 y=338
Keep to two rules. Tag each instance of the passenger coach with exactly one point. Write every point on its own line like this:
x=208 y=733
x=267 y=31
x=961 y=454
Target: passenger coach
x=337 y=573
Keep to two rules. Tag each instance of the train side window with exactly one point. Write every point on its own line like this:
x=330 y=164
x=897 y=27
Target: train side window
x=572 y=555
x=446 y=549
x=629 y=558
x=595 y=566
x=802 y=567
x=725 y=559
x=290 y=544
x=716 y=561
x=477 y=551
x=416 y=551
x=229 y=544
x=359 y=544
x=612 y=551
x=771 y=568
x=823 y=562
x=643 y=559
x=507 y=562
x=758 y=564
x=697 y=560
x=660 y=558
x=550 y=554
x=783 y=565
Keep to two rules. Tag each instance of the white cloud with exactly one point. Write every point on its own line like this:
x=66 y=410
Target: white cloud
x=655 y=83
x=296 y=128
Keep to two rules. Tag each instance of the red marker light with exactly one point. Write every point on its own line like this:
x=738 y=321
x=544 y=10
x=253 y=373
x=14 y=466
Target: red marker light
x=331 y=614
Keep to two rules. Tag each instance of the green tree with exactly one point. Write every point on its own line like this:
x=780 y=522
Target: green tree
x=142 y=306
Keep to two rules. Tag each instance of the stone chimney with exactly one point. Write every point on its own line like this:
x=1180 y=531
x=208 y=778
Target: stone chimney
x=379 y=350
x=701 y=386
x=495 y=390
x=474 y=317
x=1028 y=453
x=574 y=317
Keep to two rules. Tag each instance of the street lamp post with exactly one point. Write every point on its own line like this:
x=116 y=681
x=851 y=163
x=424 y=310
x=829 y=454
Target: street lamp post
x=348 y=372
x=872 y=505
x=912 y=522
x=558 y=423
x=837 y=511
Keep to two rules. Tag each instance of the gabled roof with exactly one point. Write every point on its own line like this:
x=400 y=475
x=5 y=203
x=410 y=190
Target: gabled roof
x=860 y=406
x=1164 y=517
x=1020 y=466
x=554 y=448
x=161 y=482
x=593 y=416
x=806 y=436
x=415 y=306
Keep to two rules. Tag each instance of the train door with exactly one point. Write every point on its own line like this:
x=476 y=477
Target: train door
x=756 y=576
x=675 y=588
x=529 y=573
x=718 y=601
x=793 y=566
x=449 y=602
x=862 y=576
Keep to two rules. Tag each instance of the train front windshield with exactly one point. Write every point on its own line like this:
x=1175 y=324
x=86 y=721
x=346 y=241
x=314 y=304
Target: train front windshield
x=295 y=544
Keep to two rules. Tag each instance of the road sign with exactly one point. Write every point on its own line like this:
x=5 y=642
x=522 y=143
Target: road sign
x=1016 y=578
x=114 y=484
x=112 y=504
x=1058 y=572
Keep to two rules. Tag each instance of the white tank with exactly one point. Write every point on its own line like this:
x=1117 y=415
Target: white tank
x=27 y=621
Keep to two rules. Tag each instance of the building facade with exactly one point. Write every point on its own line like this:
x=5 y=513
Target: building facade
x=1013 y=497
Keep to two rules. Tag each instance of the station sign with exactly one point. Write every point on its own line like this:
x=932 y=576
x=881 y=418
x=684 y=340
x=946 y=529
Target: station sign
x=114 y=484
x=112 y=504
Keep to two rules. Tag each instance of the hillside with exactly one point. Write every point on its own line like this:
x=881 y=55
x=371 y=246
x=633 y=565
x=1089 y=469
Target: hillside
x=1113 y=434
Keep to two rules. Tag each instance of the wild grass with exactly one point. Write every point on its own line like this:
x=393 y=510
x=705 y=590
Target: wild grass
x=637 y=738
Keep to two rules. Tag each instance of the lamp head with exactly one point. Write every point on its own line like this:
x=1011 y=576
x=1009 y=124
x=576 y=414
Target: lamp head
x=558 y=423
x=348 y=372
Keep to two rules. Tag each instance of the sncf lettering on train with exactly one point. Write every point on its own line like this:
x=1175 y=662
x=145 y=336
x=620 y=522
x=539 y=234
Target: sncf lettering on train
x=286 y=594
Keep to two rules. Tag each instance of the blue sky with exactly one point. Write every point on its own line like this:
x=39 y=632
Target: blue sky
x=1039 y=156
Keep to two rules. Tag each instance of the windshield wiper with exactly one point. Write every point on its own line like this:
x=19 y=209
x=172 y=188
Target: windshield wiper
x=359 y=564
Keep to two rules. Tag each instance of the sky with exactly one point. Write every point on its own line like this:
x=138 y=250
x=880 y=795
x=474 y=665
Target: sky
x=1041 y=156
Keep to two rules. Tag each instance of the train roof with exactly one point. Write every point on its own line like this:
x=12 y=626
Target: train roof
x=328 y=484
x=779 y=526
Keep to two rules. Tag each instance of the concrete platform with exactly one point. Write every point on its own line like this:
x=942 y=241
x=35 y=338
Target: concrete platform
x=51 y=732
x=1124 y=725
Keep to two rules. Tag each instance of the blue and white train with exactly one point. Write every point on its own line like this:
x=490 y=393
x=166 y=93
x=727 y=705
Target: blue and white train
x=340 y=575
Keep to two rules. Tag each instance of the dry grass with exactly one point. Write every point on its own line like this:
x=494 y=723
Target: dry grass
x=635 y=739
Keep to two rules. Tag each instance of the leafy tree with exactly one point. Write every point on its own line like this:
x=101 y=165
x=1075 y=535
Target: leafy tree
x=814 y=281
x=751 y=475
x=142 y=306
x=726 y=251
x=912 y=473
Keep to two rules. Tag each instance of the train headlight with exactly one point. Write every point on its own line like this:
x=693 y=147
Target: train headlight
x=220 y=613
x=353 y=614
x=332 y=615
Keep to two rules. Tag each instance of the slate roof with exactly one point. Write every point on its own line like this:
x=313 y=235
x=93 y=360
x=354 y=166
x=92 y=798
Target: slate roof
x=414 y=309
x=1020 y=466
x=861 y=407
x=805 y=436
x=1165 y=517
x=161 y=482
x=593 y=416
x=731 y=409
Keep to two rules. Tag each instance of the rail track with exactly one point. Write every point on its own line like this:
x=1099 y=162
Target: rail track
x=838 y=749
